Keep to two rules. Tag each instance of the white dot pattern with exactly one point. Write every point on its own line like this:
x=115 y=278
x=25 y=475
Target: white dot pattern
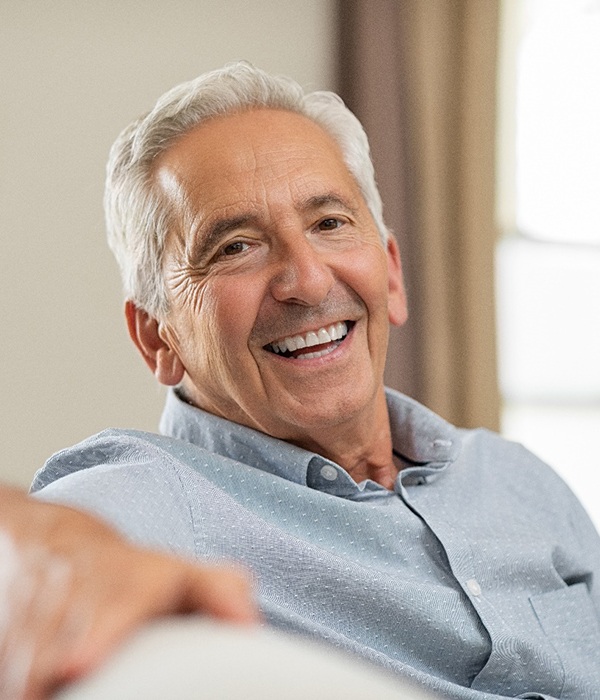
x=477 y=577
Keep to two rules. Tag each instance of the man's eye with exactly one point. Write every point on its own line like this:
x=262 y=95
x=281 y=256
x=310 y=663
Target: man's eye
x=234 y=248
x=329 y=224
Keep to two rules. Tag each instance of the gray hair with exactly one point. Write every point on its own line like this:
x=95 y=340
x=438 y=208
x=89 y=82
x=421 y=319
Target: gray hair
x=137 y=217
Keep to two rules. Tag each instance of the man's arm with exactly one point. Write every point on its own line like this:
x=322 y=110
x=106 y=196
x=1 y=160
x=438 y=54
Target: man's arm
x=71 y=588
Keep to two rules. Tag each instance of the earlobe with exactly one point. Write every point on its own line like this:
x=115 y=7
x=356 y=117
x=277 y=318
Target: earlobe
x=397 y=306
x=158 y=354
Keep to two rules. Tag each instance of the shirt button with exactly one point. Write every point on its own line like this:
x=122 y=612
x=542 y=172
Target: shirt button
x=328 y=472
x=474 y=587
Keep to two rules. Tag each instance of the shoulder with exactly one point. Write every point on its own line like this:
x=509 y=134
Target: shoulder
x=131 y=479
x=506 y=471
x=119 y=449
x=502 y=460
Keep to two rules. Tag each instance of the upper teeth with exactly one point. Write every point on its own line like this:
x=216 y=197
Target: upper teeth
x=324 y=335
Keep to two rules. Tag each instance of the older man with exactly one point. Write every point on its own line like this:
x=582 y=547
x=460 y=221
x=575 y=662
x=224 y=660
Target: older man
x=260 y=282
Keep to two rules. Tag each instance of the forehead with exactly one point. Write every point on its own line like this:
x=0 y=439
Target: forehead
x=255 y=156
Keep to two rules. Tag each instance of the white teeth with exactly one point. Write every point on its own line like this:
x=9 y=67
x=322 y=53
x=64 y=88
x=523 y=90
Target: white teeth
x=312 y=339
x=322 y=336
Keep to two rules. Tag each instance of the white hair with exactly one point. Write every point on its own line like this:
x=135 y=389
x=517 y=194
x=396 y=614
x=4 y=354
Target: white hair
x=137 y=217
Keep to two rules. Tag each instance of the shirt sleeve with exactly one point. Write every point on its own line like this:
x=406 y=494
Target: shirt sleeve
x=134 y=487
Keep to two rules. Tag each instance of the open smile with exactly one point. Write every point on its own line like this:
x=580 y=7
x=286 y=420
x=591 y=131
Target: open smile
x=315 y=343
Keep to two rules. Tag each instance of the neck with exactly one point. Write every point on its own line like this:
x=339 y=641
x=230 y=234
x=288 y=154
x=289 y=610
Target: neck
x=363 y=447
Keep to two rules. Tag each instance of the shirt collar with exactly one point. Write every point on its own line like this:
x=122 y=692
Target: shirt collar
x=422 y=441
x=186 y=422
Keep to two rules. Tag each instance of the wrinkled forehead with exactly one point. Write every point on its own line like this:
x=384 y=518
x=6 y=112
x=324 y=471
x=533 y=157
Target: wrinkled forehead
x=251 y=154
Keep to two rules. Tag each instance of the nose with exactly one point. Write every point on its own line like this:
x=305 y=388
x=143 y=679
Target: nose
x=301 y=274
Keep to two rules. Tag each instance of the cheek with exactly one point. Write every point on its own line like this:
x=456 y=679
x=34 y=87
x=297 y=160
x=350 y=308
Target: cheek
x=367 y=275
x=228 y=316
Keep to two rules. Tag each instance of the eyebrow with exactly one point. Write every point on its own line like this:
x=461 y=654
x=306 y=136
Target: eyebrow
x=323 y=200
x=215 y=233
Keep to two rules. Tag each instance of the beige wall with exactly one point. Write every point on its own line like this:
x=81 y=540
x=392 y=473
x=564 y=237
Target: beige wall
x=72 y=75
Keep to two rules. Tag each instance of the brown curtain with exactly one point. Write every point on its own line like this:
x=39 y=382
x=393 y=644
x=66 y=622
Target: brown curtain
x=421 y=76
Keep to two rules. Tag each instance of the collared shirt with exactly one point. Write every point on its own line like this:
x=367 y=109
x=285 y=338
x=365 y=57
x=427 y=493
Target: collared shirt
x=478 y=576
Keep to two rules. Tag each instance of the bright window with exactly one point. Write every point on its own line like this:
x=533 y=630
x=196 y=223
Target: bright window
x=548 y=261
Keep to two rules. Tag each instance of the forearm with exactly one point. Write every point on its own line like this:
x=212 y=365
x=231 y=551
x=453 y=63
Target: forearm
x=71 y=588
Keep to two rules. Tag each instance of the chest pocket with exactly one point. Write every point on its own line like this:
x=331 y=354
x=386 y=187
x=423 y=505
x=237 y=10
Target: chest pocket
x=569 y=619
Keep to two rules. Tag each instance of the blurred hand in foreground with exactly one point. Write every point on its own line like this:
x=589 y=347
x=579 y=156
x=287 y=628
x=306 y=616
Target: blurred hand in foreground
x=71 y=589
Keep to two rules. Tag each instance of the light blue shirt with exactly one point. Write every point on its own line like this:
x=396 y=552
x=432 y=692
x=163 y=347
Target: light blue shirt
x=477 y=577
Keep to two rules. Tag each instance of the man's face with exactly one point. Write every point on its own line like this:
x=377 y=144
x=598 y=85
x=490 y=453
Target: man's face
x=280 y=289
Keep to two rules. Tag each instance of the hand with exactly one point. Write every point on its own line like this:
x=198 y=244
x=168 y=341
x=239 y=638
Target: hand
x=71 y=588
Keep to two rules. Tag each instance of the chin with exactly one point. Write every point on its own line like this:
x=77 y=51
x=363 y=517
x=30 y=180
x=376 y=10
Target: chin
x=311 y=415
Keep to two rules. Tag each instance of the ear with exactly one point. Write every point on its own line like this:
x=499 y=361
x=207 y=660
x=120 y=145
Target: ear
x=397 y=306
x=162 y=359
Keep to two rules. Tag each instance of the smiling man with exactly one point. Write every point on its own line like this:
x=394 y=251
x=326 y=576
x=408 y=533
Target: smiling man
x=260 y=282
x=278 y=287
